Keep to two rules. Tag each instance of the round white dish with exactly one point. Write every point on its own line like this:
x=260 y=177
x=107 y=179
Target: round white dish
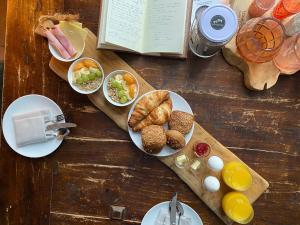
x=35 y=102
x=105 y=91
x=58 y=56
x=70 y=76
x=151 y=215
x=179 y=103
x=76 y=39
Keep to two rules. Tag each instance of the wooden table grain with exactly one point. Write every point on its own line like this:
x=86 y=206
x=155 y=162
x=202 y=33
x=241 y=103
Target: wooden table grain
x=2 y=28
x=98 y=166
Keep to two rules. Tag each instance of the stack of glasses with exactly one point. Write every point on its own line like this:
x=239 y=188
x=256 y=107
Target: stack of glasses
x=265 y=39
x=261 y=39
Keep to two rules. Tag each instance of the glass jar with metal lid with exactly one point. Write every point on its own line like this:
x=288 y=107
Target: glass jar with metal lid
x=212 y=28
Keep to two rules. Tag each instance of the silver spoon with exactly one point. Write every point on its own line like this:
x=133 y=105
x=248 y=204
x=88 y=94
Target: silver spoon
x=60 y=134
x=180 y=210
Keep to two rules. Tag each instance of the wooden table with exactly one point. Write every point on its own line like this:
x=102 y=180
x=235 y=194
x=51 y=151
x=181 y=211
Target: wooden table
x=2 y=28
x=98 y=166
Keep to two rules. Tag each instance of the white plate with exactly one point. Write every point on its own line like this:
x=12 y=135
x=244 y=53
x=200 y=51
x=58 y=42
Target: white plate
x=76 y=39
x=25 y=104
x=151 y=215
x=179 y=103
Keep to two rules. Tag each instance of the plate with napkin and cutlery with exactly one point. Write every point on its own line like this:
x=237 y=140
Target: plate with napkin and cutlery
x=34 y=126
x=171 y=212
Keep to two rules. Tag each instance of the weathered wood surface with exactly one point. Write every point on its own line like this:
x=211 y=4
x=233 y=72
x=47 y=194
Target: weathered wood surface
x=2 y=28
x=98 y=166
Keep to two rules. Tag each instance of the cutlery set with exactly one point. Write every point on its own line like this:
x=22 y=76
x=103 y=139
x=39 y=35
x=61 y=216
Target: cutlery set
x=175 y=207
x=60 y=128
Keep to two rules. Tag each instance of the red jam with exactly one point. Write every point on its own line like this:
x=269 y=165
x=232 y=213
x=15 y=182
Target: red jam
x=201 y=149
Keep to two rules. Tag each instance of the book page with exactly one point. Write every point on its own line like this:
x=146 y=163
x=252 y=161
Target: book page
x=164 y=29
x=124 y=24
x=102 y=23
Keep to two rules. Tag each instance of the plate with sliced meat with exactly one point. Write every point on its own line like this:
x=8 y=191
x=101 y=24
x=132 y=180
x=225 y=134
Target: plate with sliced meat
x=160 y=123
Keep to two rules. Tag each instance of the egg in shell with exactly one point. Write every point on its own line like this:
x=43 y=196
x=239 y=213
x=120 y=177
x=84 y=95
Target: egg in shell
x=211 y=184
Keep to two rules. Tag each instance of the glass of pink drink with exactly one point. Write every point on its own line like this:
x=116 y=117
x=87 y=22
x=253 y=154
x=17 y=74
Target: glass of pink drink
x=259 y=7
x=288 y=58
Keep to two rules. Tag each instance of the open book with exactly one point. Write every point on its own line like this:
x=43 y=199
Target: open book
x=155 y=27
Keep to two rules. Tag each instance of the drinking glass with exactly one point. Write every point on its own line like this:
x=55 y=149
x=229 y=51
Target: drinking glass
x=288 y=58
x=259 y=7
x=260 y=39
x=286 y=8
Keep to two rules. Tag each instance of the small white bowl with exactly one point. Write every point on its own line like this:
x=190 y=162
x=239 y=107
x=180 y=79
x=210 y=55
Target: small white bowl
x=70 y=76
x=105 y=85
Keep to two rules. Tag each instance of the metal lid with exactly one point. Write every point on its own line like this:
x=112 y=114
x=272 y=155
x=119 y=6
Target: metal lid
x=218 y=23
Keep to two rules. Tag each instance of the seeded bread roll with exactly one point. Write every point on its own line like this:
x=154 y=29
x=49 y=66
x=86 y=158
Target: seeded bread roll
x=153 y=138
x=181 y=121
x=175 y=139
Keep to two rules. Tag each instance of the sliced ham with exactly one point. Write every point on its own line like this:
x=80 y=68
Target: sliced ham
x=57 y=32
x=57 y=45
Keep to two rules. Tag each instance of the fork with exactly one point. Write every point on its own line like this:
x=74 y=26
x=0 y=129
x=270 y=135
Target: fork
x=57 y=118
x=180 y=210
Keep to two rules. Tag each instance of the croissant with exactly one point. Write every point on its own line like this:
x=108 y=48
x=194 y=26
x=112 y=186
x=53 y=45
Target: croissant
x=158 y=116
x=146 y=105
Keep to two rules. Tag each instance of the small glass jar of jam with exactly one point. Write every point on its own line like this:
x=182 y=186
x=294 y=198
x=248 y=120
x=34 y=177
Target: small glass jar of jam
x=201 y=149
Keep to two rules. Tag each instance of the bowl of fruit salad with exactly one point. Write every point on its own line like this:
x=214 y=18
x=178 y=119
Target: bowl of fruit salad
x=85 y=75
x=120 y=88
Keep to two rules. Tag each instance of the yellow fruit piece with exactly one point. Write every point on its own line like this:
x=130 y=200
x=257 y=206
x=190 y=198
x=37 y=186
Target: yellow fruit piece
x=132 y=90
x=78 y=66
x=90 y=63
x=129 y=79
x=237 y=207
x=237 y=176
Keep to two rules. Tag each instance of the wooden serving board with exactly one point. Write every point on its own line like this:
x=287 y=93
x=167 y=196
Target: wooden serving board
x=110 y=61
x=256 y=76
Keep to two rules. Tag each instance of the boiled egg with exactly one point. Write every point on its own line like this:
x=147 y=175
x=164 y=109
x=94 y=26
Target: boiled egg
x=215 y=163
x=211 y=184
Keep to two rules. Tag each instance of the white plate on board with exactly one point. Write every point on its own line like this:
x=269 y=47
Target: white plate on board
x=179 y=103
x=151 y=215
x=25 y=104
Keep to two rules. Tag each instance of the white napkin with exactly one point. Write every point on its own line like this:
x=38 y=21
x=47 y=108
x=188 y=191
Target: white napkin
x=163 y=218
x=30 y=127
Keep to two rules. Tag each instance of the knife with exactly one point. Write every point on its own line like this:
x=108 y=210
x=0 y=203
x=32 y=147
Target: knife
x=56 y=126
x=173 y=210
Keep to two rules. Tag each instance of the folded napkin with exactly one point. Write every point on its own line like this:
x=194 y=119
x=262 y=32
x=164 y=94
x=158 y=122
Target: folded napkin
x=163 y=218
x=30 y=127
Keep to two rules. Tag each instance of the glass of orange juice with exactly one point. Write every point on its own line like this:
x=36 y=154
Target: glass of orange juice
x=237 y=207
x=237 y=176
